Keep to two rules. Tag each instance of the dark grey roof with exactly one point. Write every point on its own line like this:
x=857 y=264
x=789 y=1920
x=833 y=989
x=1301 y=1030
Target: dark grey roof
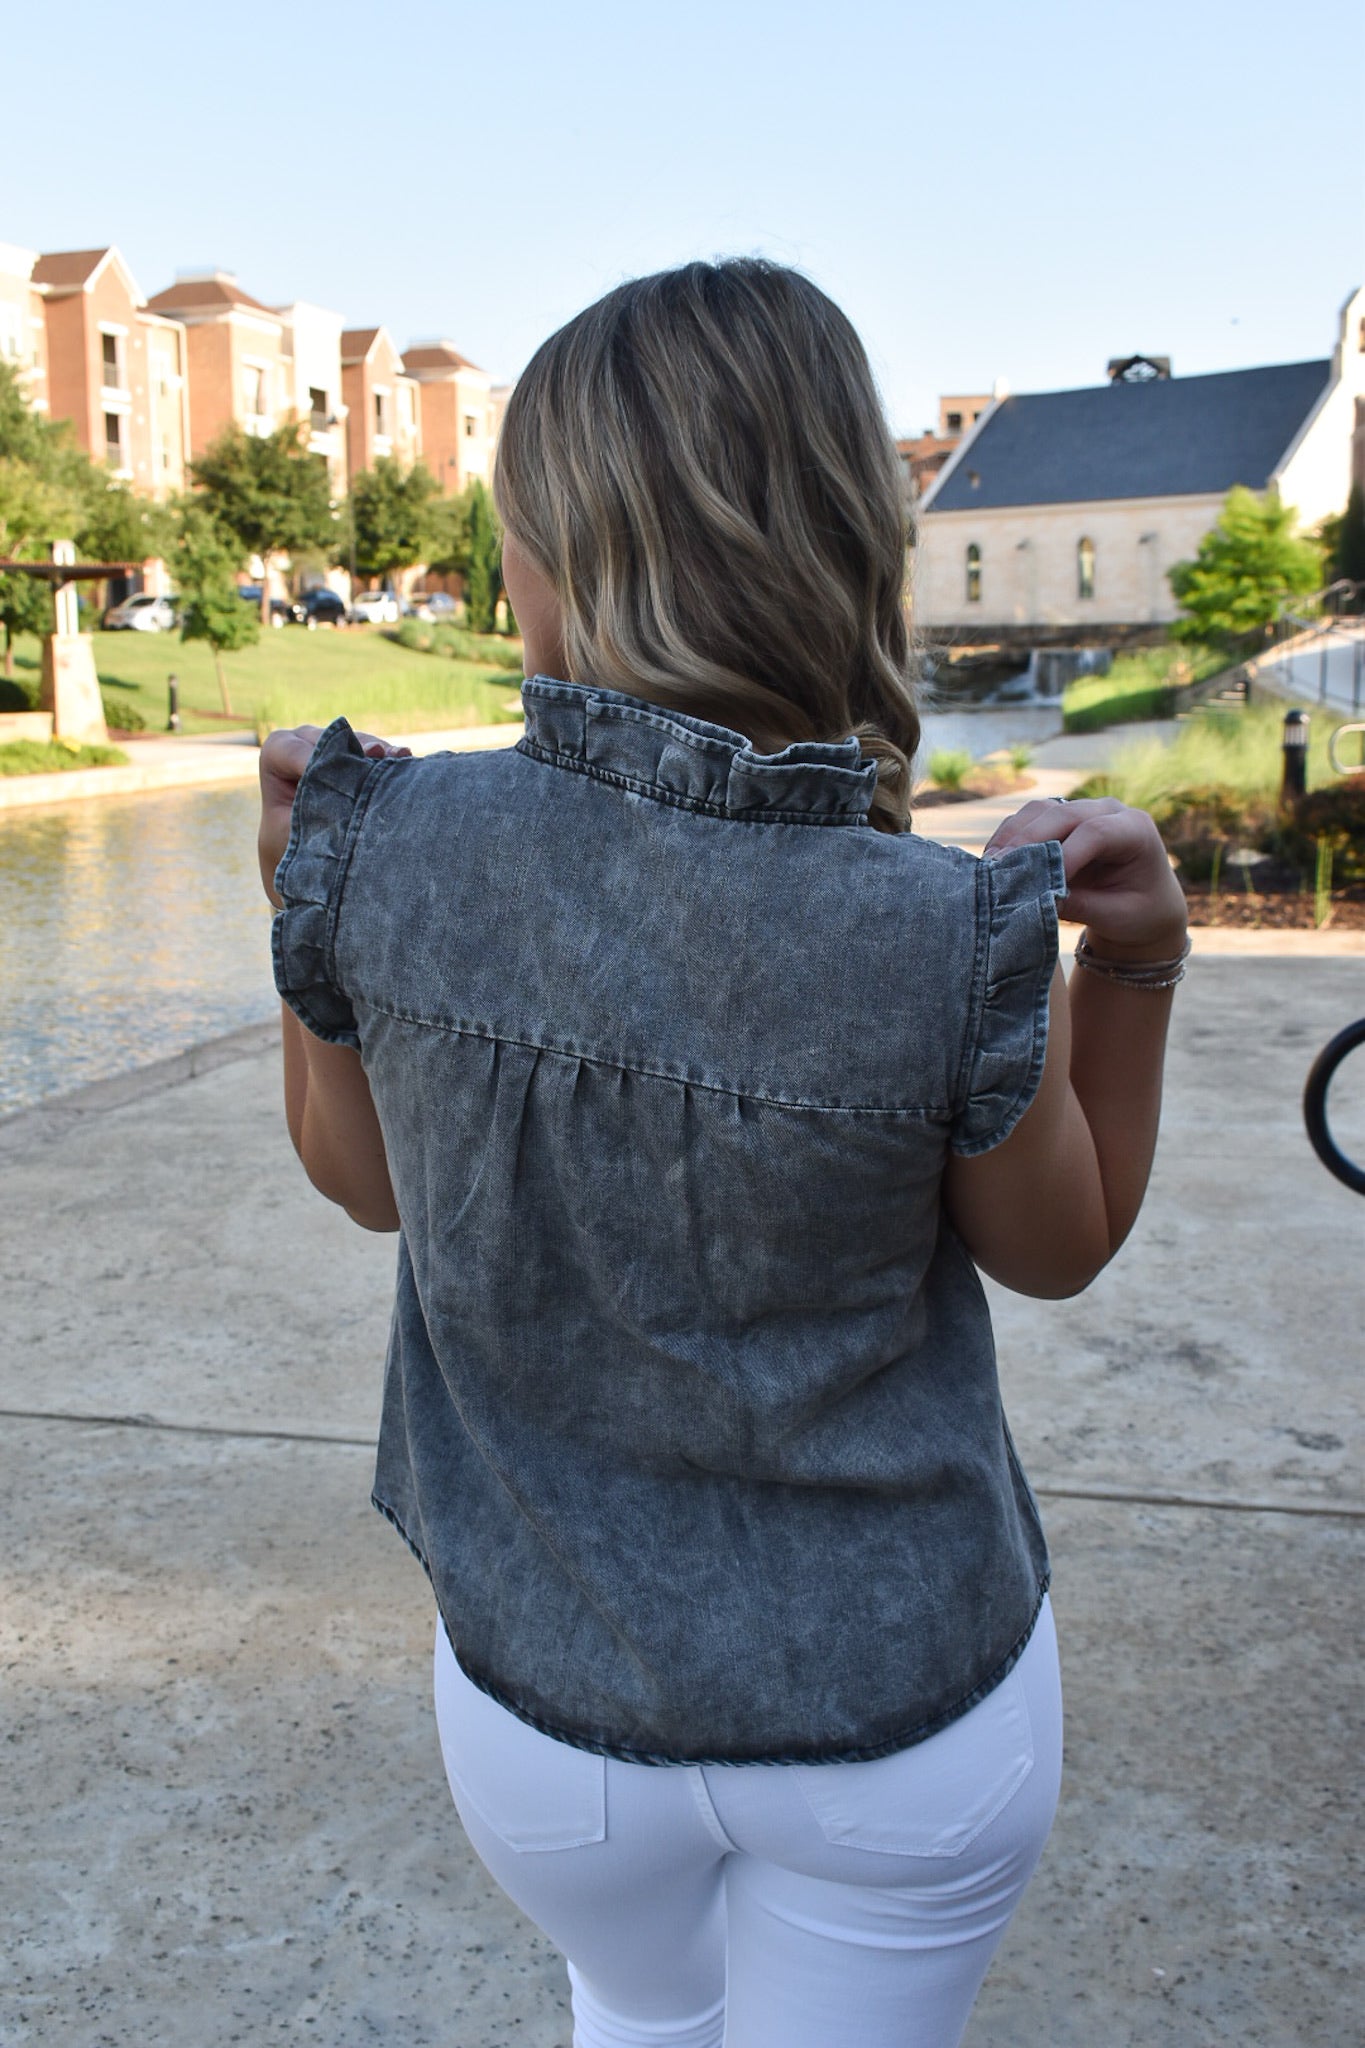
x=1169 y=438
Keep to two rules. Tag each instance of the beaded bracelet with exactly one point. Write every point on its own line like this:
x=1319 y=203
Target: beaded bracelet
x=1146 y=974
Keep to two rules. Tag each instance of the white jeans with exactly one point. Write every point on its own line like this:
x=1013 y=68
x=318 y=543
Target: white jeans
x=767 y=1905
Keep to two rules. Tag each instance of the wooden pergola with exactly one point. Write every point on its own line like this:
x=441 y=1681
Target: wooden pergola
x=70 y=690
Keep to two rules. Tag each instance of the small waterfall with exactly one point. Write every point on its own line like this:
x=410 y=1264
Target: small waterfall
x=1049 y=671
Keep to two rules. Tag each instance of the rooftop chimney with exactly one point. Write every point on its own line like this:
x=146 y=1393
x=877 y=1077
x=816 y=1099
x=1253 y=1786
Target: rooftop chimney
x=1139 y=369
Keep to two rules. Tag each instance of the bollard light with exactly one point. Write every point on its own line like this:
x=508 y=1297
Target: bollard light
x=1294 y=743
x=173 y=703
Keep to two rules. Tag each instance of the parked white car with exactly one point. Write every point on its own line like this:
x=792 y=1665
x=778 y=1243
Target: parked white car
x=375 y=608
x=141 y=614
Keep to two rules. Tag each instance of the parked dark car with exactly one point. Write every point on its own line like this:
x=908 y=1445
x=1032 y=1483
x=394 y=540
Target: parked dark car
x=318 y=608
x=281 y=614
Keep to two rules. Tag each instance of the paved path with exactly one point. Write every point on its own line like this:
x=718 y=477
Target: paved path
x=172 y=763
x=225 y=1821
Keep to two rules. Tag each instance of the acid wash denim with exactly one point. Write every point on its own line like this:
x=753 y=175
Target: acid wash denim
x=691 y=1410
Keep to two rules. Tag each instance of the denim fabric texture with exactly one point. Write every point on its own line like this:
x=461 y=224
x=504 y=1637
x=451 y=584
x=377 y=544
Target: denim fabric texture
x=691 y=1410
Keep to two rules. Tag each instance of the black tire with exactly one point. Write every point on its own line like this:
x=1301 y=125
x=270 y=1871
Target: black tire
x=1320 y=1078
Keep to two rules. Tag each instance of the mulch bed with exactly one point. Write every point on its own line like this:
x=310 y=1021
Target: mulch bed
x=1284 y=910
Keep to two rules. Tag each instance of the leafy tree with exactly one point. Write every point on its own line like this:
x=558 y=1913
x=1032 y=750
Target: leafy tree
x=483 y=577
x=1246 y=565
x=31 y=512
x=205 y=571
x=44 y=488
x=448 y=539
x=267 y=494
x=390 y=516
x=116 y=525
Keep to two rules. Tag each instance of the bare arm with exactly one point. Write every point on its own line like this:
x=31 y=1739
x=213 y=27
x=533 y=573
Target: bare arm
x=1045 y=1211
x=327 y=1102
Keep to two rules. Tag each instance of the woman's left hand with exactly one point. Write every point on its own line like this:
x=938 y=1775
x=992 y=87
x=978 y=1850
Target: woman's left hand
x=285 y=755
x=1119 y=878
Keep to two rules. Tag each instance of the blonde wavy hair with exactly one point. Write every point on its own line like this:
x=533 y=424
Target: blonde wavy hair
x=700 y=465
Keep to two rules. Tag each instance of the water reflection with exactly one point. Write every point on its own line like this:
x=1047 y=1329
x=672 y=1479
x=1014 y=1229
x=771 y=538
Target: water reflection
x=132 y=928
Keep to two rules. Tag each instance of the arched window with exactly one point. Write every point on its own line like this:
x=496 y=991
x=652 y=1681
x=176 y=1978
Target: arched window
x=973 y=574
x=1085 y=568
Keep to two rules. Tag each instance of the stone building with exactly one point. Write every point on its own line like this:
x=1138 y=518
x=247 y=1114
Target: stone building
x=1058 y=515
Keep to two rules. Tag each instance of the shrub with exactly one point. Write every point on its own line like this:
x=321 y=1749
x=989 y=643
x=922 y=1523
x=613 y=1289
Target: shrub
x=949 y=767
x=45 y=757
x=1094 y=702
x=1198 y=826
x=120 y=716
x=17 y=696
x=456 y=643
x=1335 y=815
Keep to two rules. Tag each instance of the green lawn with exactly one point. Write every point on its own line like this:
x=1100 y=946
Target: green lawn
x=293 y=677
x=1138 y=685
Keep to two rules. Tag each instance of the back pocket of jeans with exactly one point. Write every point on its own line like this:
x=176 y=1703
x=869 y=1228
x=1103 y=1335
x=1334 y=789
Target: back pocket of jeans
x=936 y=1797
x=535 y=1793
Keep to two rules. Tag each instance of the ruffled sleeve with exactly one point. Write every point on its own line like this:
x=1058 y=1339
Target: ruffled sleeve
x=329 y=807
x=1016 y=952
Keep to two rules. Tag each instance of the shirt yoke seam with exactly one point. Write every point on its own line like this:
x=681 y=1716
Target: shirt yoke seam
x=927 y=1115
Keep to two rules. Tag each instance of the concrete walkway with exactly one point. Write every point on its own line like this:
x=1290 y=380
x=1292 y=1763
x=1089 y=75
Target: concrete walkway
x=225 y=1818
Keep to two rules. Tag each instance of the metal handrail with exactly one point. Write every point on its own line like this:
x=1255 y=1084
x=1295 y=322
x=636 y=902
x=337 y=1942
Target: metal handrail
x=1352 y=725
x=1294 y=606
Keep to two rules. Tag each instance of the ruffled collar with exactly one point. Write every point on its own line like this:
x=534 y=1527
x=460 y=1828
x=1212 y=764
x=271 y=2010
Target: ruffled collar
x=687 y=761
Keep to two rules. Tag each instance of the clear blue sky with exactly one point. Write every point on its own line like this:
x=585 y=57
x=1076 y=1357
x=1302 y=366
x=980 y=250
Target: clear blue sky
x=989 y=190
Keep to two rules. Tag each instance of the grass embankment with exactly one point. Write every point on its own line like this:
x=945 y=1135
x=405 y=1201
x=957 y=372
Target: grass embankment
x=51 y=757
x=1235 y=751
x=298 y=678
x=1138 y=685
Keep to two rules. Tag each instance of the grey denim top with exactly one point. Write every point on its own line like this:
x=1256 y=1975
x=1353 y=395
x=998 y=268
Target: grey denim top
x=691 y=1410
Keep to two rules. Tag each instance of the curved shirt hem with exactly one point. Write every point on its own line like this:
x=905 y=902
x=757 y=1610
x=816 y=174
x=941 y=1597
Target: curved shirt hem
x=861 y=1753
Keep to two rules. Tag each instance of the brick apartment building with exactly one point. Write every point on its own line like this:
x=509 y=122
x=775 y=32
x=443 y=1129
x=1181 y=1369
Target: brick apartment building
x=246 y=365
x=924 y=455
x=149 y=384
x=23 y=331
x=459 y=414
x=382 y=402
x=93 y=351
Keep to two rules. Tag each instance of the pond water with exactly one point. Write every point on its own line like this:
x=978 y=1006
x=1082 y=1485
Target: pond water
x=133 y=927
